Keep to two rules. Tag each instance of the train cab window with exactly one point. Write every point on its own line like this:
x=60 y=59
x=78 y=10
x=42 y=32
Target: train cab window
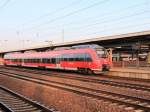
x=101 y=53
x=82 y=57
x=77 y=57
x=88 y=57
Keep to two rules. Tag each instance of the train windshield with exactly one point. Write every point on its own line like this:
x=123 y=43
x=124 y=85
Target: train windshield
x=101 y=53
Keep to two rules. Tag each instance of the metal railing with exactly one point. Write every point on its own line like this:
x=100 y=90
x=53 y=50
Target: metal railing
x=130 y=64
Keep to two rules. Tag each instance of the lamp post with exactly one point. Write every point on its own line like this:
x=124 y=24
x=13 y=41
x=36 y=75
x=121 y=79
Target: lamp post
x=1 y=43
x=50 y=44
x=23 y=43
x=63 y=35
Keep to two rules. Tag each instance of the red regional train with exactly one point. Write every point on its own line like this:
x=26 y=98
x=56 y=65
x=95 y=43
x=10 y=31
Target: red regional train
x=83 y=58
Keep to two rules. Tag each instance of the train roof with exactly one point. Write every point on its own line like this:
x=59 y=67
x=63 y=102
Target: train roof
x=45 y=54
x=93 y=46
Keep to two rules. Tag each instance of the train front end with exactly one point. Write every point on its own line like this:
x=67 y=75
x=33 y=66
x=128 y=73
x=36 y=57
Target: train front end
x=102 y=61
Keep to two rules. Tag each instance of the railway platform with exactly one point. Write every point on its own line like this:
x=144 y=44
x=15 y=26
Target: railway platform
x=131 y=72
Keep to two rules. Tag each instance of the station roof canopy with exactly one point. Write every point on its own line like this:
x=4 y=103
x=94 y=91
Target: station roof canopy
x=106 y=41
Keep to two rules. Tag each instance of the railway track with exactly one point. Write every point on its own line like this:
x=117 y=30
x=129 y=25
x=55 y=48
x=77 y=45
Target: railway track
x=13 y=102
x=4 y=108
x=127 y=102
x=106 y=81
x=73 y=73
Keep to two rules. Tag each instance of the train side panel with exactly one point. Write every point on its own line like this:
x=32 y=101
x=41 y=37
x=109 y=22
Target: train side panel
x=76 y=59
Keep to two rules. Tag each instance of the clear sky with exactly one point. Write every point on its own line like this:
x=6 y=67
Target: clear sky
x=26 y=23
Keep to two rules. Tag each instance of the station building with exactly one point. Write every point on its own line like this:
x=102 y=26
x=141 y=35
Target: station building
x=125 y=50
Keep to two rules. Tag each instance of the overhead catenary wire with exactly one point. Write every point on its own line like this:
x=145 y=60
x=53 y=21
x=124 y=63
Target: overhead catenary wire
x=105 y=16
x=89 y=35
x=70 y=14
x=88 y=25
x=114 y=20
x=76 y=2
x=93 y=24
x=98 y=32
x=106 y=29
x=116 y=28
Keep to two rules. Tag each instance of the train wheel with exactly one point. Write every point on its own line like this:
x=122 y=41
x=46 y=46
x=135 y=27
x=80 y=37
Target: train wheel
x=83 y=71
x=79 y=70
x=90 y=72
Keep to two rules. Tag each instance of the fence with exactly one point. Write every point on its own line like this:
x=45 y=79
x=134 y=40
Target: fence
x=130 y=64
